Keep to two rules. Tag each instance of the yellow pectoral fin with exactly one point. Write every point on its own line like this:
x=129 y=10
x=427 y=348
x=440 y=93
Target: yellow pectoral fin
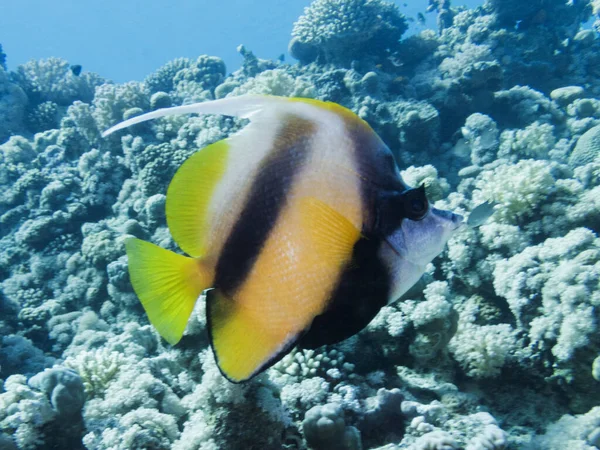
x=167 y=284
x=242 y=349
x=189 y=196
x=332 y=234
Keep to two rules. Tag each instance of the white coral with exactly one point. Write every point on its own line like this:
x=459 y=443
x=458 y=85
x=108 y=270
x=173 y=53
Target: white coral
x=435 y=186
x=435 y=440
x=535 y=141
x=276 y=82
x=97 y=369
x=580 y=432
x=24 y=412
x=491 y=438
x=552 y=290
x=482 y=350
x=518 y=189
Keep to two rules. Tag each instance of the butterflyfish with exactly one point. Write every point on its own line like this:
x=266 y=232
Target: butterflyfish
x=298 y=229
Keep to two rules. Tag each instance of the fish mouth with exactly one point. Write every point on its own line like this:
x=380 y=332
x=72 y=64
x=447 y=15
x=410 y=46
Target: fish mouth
x=449 y=219
x=391 y=247
x=457 y=221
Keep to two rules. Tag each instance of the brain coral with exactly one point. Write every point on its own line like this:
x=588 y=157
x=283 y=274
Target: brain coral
x=587 y=148
x=339 y=29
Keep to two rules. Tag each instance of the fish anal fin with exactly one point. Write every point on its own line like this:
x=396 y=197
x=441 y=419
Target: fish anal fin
x=167 y=284
x=189 y=197
x=241 y=348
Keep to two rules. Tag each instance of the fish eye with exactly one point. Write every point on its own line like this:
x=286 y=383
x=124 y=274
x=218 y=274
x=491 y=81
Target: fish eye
x=415 y=203
x=417 y=206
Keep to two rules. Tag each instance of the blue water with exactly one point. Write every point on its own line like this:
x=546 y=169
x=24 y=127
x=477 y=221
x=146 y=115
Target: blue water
x=127 y=40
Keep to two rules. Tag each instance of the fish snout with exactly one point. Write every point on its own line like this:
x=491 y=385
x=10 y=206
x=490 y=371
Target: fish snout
x=448 y=219
x=457 y=221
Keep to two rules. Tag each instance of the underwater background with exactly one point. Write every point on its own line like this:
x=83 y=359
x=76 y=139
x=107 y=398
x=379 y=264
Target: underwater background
x=498 y=345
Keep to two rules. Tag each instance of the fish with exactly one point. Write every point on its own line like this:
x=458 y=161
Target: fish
x=76 y=69
x=481 y=213
x=297 y=230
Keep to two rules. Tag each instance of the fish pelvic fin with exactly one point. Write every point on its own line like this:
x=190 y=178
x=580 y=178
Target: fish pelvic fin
x=241 y=348
x=167 y=284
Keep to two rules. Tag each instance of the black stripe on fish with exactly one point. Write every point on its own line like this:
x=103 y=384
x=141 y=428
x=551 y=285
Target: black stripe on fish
x=362 y=290
x=364 y=285
x=377 y=168
x=266 y=199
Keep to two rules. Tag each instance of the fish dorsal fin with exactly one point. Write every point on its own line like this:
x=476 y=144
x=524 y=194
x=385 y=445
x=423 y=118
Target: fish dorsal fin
x=333 y=235
x=167 y=284
x=340 y=126
x=242 y=349
x=243 y=107
x=189 y=197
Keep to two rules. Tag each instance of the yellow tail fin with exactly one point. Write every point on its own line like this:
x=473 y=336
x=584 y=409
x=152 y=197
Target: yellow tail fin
x=167 y=284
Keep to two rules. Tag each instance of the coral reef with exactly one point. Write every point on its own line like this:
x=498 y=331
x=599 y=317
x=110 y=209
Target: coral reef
x=496 y=347
x=13 y=102
x=324 y=428
x=334 y=30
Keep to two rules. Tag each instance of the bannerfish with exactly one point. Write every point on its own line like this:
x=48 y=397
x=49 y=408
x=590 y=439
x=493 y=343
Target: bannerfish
x=298 y=228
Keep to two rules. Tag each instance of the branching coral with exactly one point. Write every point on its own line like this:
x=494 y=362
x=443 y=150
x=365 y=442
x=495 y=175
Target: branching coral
x=434 y=321
x=53 y=80
x=482 y=350
x=535 y=141
x=19 y=355
x=582 y=432
x=435 y=186
x=185 y=78
x=96 y=368
x=519 y=189
x=552 y=291
x=300 y=364
x=12 y=106
x=276 y=82
x=138 y=429
x=111 y=101
x=24 y=412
